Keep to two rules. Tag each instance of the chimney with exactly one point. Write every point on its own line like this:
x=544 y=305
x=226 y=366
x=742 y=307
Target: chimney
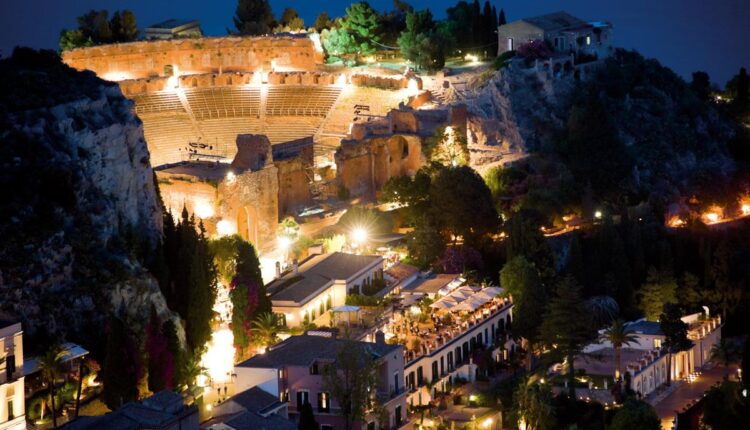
x=295 y=269
x=380 y=337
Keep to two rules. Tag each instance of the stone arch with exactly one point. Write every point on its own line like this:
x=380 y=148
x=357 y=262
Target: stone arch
x=247 y=224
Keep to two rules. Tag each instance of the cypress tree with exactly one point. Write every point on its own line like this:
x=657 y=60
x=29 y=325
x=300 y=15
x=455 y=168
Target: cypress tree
x=487 y=30
x=120 y=370
x=501 y=18
x=476 y=24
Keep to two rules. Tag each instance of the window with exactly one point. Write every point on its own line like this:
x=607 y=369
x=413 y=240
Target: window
x=411 y=381
x=510 y=44
x=303 y=396
x=11 y=414
x=420 y=376
x=450 y=361
x=442 y=365
x=324 y=402
x=398 y=415
x=371 y=425
x=281 y=319
x=314 y=370
x=284 y=396
x=326 y=427
x=588 y=40
x=322 y=308
x=395 y=381
x=329 y=302
x=657 y=343
x=10 y=367
x=434 y=371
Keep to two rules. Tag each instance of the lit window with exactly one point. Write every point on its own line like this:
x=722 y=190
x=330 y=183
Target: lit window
x=588 y=40
x=657 y=343
x=324 y=402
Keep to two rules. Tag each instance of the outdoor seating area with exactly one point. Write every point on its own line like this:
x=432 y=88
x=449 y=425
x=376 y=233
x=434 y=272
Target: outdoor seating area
x=427 y=324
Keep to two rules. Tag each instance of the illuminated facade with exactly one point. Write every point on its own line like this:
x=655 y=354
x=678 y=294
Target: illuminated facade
x=12 y=404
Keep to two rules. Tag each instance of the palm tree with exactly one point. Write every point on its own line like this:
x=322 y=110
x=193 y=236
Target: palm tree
x=618 y=335
x=265 y=329
x=50 y=366
x=725 y=352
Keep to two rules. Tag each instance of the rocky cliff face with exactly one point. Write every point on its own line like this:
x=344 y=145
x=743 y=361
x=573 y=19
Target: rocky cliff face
x=672 y=135
x=80 y=208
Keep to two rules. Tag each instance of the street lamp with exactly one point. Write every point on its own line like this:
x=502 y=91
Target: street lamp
x=359 y=236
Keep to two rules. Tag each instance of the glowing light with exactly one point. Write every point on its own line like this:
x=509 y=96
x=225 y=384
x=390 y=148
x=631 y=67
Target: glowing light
x=472 y=398
x=713 y=215
x=225 y=228
x=219 y=358
x=471 y=57
x=487 y=423
x=745 y=205
x=359 y=235
x=413 y=86
x=231 y=177
x=209 y=406
x=284 y=242
x=675 y=222
x=173 y=82
x=370 y=59
x=415 y=310
x=203 y=209
x=541 y=381
x=341 y=80
x=598 y=214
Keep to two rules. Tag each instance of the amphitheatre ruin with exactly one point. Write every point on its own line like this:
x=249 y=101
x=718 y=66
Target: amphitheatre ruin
x=244 y=131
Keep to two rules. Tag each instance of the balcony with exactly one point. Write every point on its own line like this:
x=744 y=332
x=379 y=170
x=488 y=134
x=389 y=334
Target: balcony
x=386 y=396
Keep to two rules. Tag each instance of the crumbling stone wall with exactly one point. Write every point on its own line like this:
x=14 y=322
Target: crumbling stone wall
x=363 y=167
x=147 y=59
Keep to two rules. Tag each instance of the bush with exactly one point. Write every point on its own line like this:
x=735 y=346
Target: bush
x=503 y=60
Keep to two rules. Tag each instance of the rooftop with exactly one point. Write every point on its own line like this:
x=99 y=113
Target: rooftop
x=253 y=421
x=556 y=21
x=72 y=351
x=433 y=284
x=305 y=349
x=165 y=408
x=645 y=327
x=402 y=271
x=174 y=23
x=317 y=271
x=256 y=400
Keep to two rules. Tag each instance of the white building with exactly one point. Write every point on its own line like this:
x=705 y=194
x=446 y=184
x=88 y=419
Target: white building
x=320 y=283
x=12 y=405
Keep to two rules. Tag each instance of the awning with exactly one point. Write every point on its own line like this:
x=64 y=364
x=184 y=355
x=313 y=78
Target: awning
x=346 y=308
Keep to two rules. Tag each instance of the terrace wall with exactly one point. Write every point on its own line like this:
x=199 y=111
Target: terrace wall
x=147 y=59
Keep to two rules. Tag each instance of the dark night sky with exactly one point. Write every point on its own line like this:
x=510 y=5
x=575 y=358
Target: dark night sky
x=686 y=35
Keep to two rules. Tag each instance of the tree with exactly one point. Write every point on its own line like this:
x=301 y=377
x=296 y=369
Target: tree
x=124 y=27
x=362 y=23
x=520 y=280
x=290 y=21
x=306 y=418
x=636 y=414
x=160 y=358
x=120 y=372
x=425 y=43
x=675 y=334
x=726 y=352
x=501 y=18
x=322 y=22
x=350 y=380
x=462 y=183
x=51 y=369
x=337 y=43
x=266 y=329
x=533 y=405
x=425 y=245
x=253 y=17
x=179 y=356
x=618 y=335
x=660 y=289
x=701 y=85
x=725 y=407
x=447 y=145
x=70 y=39
x=526 y=239
x=725 y=292
x=566 y=329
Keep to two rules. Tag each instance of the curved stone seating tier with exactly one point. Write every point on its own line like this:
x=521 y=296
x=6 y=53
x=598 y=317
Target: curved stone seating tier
x=168 y=137
x=284 y=129
x=158 y=102
x=301 y=100
x=223 y=102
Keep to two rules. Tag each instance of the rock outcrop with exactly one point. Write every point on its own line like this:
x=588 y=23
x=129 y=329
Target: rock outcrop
x=80 y=207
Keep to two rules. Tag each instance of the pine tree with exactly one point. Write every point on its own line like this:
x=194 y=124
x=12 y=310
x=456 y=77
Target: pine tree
x=501 y=18
x=253 y=17
x=322 y=22
x=362 y=23
x=566 y=328
x=476 y=24
x=487 y=30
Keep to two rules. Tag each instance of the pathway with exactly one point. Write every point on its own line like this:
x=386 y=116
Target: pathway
x=688 y=392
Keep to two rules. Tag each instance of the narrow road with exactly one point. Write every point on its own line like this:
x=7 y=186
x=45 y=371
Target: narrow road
x=688 y=392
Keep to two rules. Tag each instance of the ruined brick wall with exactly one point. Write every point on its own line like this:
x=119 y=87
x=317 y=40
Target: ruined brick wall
x=364 y=167
x=294 y=189
x=250 y=202
x=146 y=59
